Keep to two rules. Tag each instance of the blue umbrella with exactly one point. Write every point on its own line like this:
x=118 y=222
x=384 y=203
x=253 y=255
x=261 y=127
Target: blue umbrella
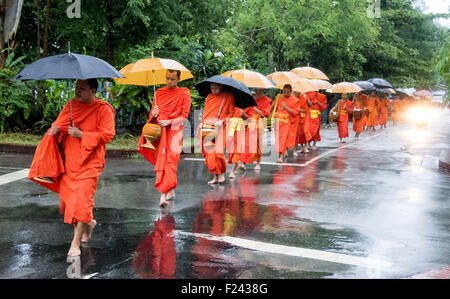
x=365 y=85
x=243 y=98
x=68 y=66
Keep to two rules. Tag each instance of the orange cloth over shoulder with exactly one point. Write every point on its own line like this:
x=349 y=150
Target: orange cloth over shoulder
x=75 y=164
x=174 y=104
x=214 y=157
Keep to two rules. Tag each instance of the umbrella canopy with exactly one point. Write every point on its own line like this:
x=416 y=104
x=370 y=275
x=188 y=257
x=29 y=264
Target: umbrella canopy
x=304 y=85
x=423 y=93
x=380 y=83
x=243 y=98
x=322 y=84
x=309 y=73
x=283 y=78
x=365 y=85
x=402 y=94
x=68 y=66
x=250 y=78
x=345 y=87
x=151 y=71
x=386 y=90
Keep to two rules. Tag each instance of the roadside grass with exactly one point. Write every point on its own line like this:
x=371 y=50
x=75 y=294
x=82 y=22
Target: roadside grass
x=119 y=142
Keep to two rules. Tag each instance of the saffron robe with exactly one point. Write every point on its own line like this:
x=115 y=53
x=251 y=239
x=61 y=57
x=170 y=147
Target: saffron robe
x=384 y=110
x=75 y=164
x=214 y=156
x=358 y=103
x=255 y=130
x=283 y=122
x=313 y=127
x=343 y=118
x=372 y=106
x=174 y=104
x=304 y=117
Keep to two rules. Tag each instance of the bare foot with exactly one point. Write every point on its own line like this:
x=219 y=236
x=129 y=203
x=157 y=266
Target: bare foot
x=257 y=166
x=213 y=181
x=232 y=175
x=220 y=178
x=280 y=160
x=87 y=235
x=74 y=250
x=306 y=150
x=170 y=195
x=163 y=201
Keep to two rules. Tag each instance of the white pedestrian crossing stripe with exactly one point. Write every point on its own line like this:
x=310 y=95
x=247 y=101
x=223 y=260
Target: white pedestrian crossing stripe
x=14 y=176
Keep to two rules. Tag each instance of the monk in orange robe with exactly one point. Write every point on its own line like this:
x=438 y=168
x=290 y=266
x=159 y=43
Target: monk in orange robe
x=223 y=102
x=304 y=117
x=396 y=109
x=236 y=139
x=255 y=128
x=171 y=106
x=384 y=110
x=372 y=105
x=344 y=107
x=71 y=157
x=287 y=110
x=358 y=104
x=317 y=103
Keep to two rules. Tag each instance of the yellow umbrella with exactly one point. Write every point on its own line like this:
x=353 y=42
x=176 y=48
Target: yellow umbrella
x=283 y=78
x=304 y=85
x=250 y=78
x=151 y=71
x=309 y=73
x=322 y=84
x=345 y=87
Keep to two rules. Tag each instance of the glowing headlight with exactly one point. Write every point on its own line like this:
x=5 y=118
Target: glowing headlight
x=420 y=114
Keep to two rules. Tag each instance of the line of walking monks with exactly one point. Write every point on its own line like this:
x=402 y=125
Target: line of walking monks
x=71 y=156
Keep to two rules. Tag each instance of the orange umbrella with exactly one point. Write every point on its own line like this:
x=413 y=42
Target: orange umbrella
x=322 y=84
x=345 y=87
x=250 y=78
x=304 y=85
x=283 y=78
x=309 y=73
x=151 y=71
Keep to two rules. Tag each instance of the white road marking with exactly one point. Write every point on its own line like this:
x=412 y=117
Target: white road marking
x=295 y=251
x=14 y=176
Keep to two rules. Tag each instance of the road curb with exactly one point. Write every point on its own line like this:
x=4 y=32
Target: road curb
x=444 y=160
x=110 y=153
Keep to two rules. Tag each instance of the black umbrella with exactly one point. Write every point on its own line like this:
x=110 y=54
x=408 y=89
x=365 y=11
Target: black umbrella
x=380 y=83
x=68 y=66
x=386 y=90
x=365 y=85
x=242 y=96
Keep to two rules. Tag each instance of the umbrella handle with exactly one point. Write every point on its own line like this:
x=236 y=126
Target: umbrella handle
x=221 y=105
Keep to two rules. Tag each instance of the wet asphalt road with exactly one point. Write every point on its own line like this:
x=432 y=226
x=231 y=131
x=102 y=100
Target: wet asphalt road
x=377 y=207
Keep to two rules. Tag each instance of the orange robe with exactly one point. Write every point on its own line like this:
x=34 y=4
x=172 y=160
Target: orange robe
x=304 y=118
x=214 y=156
x=283 y=123
x=384 y=110
x=372 y=106
x=313 y=126
x=358 y=125
x=343 y=118
x=236 y=136
x=255 y=130
x=396 y=109
x=155 y=256
x=75 y=164
x=174 y=104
